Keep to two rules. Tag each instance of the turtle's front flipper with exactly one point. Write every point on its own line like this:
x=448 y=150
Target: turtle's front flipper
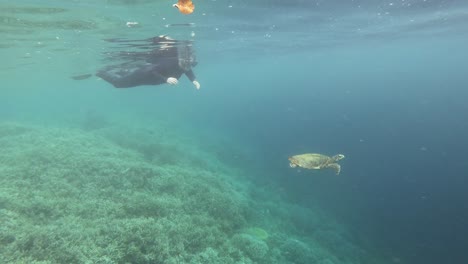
x=336 y=167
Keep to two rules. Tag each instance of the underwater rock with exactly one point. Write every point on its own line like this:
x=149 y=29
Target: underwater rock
x=297 y=252
x=12 y=129
x=256 y=249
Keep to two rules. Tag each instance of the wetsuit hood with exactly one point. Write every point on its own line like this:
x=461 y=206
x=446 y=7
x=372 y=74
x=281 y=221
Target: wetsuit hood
x=187 y=57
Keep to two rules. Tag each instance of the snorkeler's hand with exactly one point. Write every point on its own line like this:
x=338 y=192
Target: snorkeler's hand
x=172 y=80
x=197 y=85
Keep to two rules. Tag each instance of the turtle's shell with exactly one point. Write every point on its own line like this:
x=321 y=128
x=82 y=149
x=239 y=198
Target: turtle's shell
x=310 y=160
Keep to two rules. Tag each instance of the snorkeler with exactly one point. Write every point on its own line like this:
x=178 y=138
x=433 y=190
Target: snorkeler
x=164 y=65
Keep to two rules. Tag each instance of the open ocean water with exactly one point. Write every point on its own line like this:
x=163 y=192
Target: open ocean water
x=170 y=174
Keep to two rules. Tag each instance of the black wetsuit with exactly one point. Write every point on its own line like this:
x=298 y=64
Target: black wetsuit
x=153 y=73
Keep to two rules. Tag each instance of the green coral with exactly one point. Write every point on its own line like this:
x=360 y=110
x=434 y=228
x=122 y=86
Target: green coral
x=258 y=232
x=99 y=196
x=253 y=247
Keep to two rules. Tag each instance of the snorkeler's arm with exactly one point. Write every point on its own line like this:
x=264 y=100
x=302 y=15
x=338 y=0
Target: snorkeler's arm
x=159 y=76
x=193 y=79
x=191 y=75
x=164 y=79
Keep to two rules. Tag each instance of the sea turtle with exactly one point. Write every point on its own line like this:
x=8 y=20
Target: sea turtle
x=316 y=161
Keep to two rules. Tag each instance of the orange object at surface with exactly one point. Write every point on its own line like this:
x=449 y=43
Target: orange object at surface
x=185 y=6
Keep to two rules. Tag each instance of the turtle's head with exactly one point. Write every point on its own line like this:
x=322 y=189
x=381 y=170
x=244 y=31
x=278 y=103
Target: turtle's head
x=338 y=157
x=292 y=162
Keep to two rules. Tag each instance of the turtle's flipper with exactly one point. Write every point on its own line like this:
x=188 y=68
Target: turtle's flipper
x=336 y=167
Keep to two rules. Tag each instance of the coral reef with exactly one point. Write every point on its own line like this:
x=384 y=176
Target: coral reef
x=116 y=195
x=257 y=232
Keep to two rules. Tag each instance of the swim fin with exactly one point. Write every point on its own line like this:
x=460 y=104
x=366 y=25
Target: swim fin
x=82 y=76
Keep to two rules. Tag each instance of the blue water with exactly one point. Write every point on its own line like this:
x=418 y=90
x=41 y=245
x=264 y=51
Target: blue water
x=383 y=82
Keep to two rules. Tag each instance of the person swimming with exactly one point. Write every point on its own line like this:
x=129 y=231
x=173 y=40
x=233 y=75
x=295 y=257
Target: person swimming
x=166 y=64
